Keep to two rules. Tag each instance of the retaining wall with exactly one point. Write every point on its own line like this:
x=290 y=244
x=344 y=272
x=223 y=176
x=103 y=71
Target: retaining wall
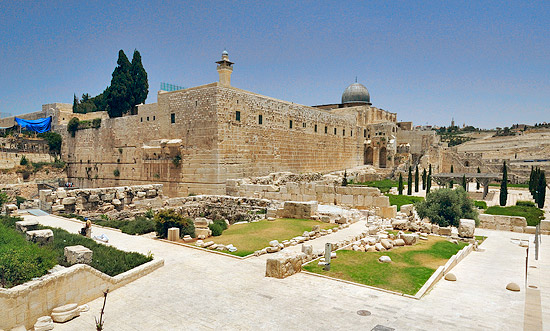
x=80 y=283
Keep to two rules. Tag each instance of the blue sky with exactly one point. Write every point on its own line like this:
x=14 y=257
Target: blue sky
x=484 y=63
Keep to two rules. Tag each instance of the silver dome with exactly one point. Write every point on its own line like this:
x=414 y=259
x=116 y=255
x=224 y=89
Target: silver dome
x=356 y=93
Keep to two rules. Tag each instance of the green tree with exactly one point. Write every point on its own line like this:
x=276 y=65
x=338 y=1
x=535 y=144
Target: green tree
x=23 y=161
x=541 y=189
x=54 y=140
x=416 y=180
x=4 y=198
x=504 y=186
x=400 y=184
x=477 y=181
x=140 y=86
x=75 y=104
x=345 y=179
x=452 y=183
x=429 y=180
x=409 y=182
x=119 y=98
x=464 y=183
x=446 y=207
x=424 y=177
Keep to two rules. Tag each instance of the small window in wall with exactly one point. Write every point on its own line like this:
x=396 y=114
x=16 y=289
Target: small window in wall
x=364 y=133
x=369 y=136
x=172 y=118
x=196 y=103
x=260 y=119
x=304 y=124
x=290 y=124
x=351 y=133
x=344 y=132
x=147 y=118
x=326 y=129
x=334 y=130
x=142 y=119
x=153 y=118
x=315 y=127
x=238 y=116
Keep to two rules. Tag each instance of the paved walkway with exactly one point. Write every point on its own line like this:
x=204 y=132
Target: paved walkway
x=199 y=290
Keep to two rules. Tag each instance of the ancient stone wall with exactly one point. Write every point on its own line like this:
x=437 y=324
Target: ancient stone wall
x=348 y=196
x=100 y=200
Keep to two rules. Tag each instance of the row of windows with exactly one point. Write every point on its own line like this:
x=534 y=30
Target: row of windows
x=154 y=118
x=290 y=124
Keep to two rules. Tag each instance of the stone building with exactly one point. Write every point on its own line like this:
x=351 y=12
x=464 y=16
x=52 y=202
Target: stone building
x=193 y=140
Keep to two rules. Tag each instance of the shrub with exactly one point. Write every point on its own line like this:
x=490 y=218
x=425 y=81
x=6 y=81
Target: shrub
x=23 y=161
x=217 y=227
x=73 y=125
x=4 y=198
x=96 y=123
x=168 y=218
x=525 y=203
x=480 y=204
x=140 y=225
x=19 y=200
x=116 y=172
x=176 y=161
x=446 y=207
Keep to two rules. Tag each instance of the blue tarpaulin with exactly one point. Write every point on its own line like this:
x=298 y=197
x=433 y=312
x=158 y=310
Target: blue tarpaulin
x=40 y=125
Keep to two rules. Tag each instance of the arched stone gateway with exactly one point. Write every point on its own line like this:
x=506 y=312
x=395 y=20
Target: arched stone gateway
x=368 y=157
x=383 y=157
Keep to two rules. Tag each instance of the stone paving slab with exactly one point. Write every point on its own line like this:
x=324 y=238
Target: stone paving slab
x=197 y=290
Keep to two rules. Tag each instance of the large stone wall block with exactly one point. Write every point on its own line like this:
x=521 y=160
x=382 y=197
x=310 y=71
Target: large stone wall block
x=78 y=254
x=41 y=237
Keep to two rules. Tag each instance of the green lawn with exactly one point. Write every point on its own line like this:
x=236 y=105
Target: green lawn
x=383 y=185
x=533 y=215
x=511 y=185
x=401 y=200
x=250 y=237
x=410 y=268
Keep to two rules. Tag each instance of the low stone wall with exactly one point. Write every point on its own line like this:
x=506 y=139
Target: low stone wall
x=80 y=284
x=504 y=223
x=100 y=200
x=358 y=197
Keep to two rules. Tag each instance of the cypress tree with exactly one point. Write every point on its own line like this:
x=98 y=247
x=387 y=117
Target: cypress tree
x=429 y=180
x=75 y=104
x=477 y=181
x=541 y=189
x=504 y=185
x=140 y=85
x=119 y=98
x=452 y=182
x=464 y=182
x=424 y=175
x=416 y=180
x=345 y=179
x=400 y=185
x=532 y=181
x=409 y=182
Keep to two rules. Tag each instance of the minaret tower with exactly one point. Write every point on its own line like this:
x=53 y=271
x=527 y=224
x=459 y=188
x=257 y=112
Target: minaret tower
x=225 y=69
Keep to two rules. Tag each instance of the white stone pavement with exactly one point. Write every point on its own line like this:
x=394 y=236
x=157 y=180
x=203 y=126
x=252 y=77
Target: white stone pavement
x=197 y=290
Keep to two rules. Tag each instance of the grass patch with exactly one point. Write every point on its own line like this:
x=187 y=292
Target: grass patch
x=511 y=185
x=410 y=268
x=383 y=185
x=401 y=200
x=20 y=260
x=533 y=215
x=250 y=237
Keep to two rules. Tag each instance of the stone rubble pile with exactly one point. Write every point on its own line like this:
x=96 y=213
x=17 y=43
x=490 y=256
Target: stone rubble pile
x=101 y=200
